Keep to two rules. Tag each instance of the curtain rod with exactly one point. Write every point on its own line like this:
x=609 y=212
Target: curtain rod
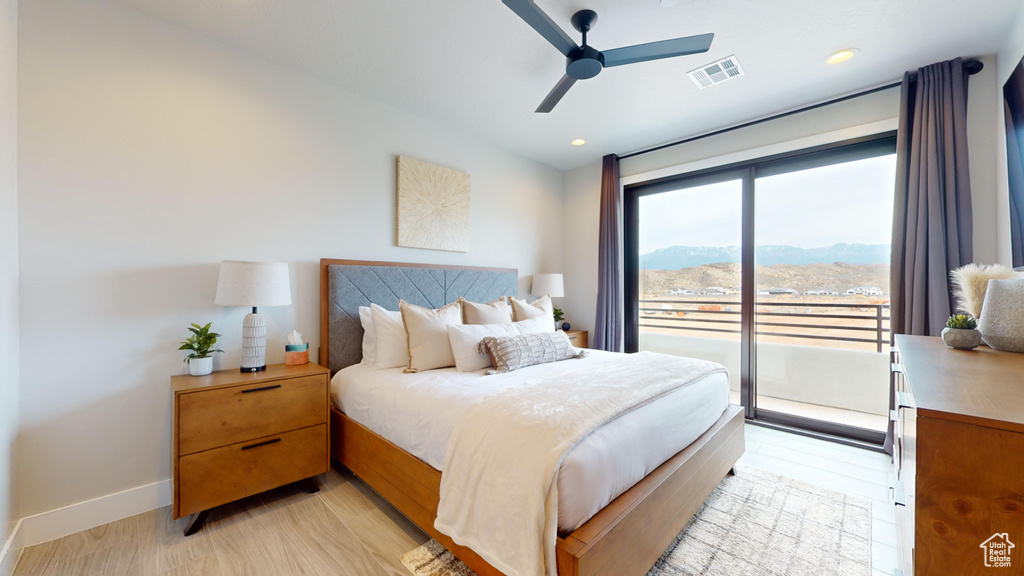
x=972 y=67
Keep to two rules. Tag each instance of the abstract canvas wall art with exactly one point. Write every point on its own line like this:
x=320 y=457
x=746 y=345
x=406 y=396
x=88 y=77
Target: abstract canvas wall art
x=433 y=206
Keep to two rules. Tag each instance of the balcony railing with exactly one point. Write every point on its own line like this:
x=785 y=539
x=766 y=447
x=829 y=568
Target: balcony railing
x=854 y=322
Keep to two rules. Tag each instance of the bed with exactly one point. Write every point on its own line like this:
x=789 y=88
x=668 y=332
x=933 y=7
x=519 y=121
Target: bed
x=397 y=450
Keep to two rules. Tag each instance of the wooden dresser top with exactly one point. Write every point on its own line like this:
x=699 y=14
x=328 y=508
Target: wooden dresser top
x=235 y=377
x=981 y=386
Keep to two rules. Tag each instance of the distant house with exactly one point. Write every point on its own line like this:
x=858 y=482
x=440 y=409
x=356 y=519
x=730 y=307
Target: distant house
x=822 y=292
x=782 y=292
x=712 y=291
x=864 y=291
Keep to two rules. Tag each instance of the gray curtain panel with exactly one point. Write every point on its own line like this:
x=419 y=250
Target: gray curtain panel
x=608 y=327
x=932 y=229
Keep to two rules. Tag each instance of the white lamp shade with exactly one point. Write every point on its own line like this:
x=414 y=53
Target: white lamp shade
x=549 y=284
x=253 y=284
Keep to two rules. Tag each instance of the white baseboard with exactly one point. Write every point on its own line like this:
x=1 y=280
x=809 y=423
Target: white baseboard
x=61 y=522
x=10 y=551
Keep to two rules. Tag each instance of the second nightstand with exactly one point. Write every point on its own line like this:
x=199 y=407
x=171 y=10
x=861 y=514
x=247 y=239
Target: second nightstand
x=578 y=337
x=238 y=434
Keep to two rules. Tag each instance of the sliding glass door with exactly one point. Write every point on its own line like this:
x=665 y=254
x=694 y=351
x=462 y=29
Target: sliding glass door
x=777 y=268
x=689 y=281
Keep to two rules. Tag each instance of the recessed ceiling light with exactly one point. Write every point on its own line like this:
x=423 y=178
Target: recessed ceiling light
x=841 y=56
x=578 y=142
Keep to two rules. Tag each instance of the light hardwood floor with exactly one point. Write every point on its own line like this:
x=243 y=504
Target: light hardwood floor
x=347 y=530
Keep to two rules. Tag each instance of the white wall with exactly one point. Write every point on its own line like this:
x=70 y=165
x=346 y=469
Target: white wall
x=9 y=372
x=148 y=154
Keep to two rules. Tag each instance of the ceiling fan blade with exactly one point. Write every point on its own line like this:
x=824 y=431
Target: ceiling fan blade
x=556 y=94
x=657 y=50
x=543 y=24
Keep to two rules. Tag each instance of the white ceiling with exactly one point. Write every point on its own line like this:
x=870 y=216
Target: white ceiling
x=475 y=66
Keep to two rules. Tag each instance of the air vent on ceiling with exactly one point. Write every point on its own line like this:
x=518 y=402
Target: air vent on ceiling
x=716 y=72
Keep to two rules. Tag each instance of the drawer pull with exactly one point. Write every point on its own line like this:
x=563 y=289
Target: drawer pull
x=258 y=444
x=261 y=389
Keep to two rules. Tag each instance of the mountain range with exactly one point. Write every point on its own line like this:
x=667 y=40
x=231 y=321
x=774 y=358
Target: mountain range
x=677 y=257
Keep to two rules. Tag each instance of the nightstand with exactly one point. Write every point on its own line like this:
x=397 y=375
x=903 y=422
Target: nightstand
x=578 y=337
x=238 y=434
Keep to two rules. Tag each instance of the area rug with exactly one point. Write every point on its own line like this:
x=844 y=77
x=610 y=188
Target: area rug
x=754 y=522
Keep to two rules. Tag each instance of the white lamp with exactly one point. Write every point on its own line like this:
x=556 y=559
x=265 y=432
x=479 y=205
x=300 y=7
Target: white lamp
x=549 y=284
x=253 y=284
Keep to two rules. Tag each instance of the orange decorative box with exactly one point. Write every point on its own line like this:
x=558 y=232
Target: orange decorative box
x=296 y=354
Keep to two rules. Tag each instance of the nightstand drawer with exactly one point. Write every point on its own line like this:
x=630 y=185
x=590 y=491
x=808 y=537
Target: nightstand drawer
x=214 y=418
x=222 y=475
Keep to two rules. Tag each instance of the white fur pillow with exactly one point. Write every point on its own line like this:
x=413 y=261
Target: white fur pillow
x=429 y=347
x=392 y=341
x=496 y=312
x=369 y=336
x=541 y=307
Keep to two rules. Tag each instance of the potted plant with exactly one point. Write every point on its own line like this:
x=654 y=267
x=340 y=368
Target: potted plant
x=961 y=332
x=559 y=316
x=200 y=348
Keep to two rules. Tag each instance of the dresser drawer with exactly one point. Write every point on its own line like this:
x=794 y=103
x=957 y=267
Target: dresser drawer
x=215 y=418
x=222 y=475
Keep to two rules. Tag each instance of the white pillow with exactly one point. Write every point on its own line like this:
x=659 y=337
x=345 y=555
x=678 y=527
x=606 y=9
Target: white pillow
x=392 y=342
x=465 y=341
x=533 y=326
x=429 y=347
x=369 y=336
x=496 y=312
x=539 y=308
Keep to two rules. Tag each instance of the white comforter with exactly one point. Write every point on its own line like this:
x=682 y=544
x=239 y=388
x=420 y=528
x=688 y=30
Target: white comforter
x=499 y=490
x=417 y=412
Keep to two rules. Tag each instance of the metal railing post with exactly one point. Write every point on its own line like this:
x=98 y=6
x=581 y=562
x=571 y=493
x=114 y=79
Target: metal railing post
x=878 y=309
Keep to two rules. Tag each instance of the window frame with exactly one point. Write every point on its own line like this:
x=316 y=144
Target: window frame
x=870 y=146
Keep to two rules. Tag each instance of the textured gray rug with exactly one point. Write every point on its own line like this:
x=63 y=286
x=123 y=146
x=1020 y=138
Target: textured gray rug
x=754 y=523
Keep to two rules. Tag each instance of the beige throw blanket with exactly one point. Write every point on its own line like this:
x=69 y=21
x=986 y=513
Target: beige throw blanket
x=499 y=489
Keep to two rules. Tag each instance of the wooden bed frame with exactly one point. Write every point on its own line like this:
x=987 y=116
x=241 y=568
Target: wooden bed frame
x=624 y=539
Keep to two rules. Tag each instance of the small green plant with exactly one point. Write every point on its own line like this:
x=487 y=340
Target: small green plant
x=559 y=315
x=962 y=322
x=200 y=344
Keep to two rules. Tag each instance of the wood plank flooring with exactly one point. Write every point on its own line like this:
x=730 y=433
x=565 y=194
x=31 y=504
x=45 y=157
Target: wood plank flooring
x=346 y=529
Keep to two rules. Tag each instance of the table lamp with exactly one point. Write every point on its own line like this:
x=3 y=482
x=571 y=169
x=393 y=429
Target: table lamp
x=548 y=284
x=253 y=284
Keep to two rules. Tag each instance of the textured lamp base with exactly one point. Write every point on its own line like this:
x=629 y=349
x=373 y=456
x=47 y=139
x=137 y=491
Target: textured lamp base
x=254 y=343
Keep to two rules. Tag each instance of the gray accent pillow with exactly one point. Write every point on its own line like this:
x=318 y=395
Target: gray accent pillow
x=510 y=353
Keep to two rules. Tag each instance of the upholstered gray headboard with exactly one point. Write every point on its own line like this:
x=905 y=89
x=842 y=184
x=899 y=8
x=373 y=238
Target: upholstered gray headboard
x=345 y=285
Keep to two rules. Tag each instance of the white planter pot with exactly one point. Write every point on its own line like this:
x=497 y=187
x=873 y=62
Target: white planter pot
x=200 y=366
x=961 y=339
x=1002 y=315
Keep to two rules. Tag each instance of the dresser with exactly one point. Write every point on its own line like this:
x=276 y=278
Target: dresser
x=579 y=338
x=958 y=458
x=237 y=434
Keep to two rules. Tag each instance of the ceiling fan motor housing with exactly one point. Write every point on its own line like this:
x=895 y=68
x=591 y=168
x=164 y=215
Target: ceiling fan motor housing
x=583 y=63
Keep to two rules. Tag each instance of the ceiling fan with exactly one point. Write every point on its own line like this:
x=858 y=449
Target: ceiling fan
x=582 y=62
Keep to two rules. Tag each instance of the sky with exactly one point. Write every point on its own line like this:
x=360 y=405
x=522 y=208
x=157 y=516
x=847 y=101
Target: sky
x=842 y=203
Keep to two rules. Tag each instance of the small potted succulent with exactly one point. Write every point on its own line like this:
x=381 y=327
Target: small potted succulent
x=200 y=348
x=961 y=332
